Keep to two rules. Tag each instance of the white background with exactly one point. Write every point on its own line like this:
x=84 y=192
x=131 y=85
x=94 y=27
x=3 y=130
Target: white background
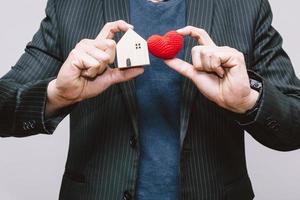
x=31 y=168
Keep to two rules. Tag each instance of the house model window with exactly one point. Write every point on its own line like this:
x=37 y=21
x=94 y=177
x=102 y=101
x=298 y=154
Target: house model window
x=132 y=50
x=138 y=46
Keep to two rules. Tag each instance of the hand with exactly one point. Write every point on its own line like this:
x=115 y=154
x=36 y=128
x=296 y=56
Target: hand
x=85 y=73
x=219 y=73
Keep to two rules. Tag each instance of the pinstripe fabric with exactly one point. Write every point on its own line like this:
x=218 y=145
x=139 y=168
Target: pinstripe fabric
x=199 y=14
x=101 y=162
x=128 y=88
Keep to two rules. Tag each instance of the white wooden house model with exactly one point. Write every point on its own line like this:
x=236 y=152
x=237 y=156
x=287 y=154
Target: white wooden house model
x=132 y=50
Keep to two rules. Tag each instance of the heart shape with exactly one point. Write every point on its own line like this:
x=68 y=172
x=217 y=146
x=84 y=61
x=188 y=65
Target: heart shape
x=167 y=46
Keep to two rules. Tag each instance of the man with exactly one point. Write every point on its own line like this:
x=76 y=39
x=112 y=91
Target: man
x=174 y=130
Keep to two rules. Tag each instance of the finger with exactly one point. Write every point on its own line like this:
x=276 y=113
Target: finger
x=119 y=75
x=220 y=72
x=99 y=55
x=90 y=65
x=230 y=57
x=225 y=57
x=209 y=59
x=82 y=60
x=196 y=58
x=90 y=73
x=108 y=46
x=102 y=69
x=94 y=48
x=103 y=51
x=111 y=28
x=199 y=34
x=216 y=65
x=181 y=67
x=202 y=58
x=111 y=50
x=205 y=57
x=101 y=44
x=222 y=59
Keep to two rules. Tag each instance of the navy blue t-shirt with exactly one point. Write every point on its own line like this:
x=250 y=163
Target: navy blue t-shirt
x=158 y=93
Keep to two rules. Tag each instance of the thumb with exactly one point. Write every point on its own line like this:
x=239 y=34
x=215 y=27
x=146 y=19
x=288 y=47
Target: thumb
x=182 y=67
x=201 y=79
x=122 y=75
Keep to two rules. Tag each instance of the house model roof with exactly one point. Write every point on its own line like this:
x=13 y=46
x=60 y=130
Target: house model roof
x=130 y=35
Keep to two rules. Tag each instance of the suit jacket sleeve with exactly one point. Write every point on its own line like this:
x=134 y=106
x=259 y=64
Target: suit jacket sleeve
x=277 y=123
x=23 y=90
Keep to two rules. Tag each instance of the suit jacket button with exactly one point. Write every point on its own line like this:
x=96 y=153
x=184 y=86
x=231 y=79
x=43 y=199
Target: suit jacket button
x=270 y=124
x=25 y=126
x=269 y=119
x=133 y=141
x=127 y=196
x=275 y=127
x=32 y=124
x=273 y=124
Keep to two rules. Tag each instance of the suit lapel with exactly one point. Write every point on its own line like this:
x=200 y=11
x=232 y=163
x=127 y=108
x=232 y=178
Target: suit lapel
x=198 y=14
x=116 y=10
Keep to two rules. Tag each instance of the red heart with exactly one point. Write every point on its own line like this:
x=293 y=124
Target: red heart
x=167 y=46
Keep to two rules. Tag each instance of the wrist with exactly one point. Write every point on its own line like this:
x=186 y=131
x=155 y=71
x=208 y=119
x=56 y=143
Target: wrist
x=55 y=101
x=250 y=102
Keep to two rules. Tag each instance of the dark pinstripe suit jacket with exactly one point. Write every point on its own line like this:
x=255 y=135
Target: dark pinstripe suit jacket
x=104 y=151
